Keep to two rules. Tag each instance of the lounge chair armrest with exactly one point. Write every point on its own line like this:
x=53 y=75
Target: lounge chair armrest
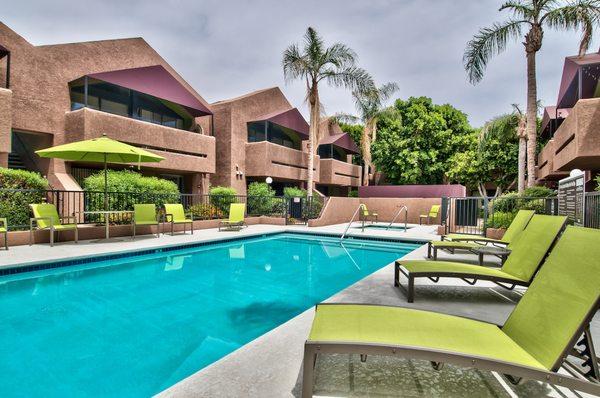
x=33 y=220
x=3 y=222
x=69 y=218
x=167 y=216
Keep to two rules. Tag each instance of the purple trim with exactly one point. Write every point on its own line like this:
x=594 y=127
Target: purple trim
x=412 y=191
x=158 y=82
x=567 y=94
x=292 y=119
x=343 y=141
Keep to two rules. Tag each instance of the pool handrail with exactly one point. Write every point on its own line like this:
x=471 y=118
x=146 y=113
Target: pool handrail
x=403 y=207
x=351 y=221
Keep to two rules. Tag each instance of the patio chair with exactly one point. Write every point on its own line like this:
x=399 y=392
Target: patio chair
x=550 y=323
x=470 y=242
x=45 y=216
x=236 y=218
x=175 y=215
x=527 y=254
x=365 y=215
x=433 y=213
x=517 y=226
x=4 y=230
x=145 y=214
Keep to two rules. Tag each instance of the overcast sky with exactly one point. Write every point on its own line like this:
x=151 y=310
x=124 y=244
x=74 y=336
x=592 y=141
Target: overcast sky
x=226 y=48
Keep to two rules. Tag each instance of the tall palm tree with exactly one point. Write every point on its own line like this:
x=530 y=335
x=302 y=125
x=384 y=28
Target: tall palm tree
x=370 y=105
x=521 y=130
x=314 y=63
x=532 y=16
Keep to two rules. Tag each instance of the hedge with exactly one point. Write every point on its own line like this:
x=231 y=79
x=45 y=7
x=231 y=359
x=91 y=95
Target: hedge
x=222 y=198
x=15 y=205
x=261 y=200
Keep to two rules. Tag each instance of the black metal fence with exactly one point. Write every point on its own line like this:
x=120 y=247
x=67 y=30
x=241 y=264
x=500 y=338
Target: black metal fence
x=14 y=204
x=592 y=210
x=473 y=215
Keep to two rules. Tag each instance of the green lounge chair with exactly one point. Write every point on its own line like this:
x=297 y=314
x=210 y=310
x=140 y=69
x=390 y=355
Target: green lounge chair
x=175 y=214
x=514 y=229
x=236 y=217
x=365 y=215
x=527 y=254
x=4 y=230
x=145 y=214
x=45 y=216
x=542 y=331
x=433 y=213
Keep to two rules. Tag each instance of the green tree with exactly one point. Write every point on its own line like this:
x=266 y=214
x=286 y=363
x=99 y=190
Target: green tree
x=355 y=132
x=533 y=16
x=314 y=63
x=416 y=140
x=370 y=105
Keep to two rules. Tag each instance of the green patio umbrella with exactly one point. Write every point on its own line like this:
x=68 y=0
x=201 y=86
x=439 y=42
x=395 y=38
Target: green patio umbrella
x=100 y=150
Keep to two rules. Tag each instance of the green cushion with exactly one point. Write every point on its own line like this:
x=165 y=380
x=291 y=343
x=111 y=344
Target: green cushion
x=236 y=212
x=45 y=210
x=415 y=328
x=437 y=267
x=144 y=214
x=559 y=299
x=65 y=227
x=446 y=244
x=531 y=246
x=515 y=228
x=177 y=211
x=2 y=229
x=433 y=212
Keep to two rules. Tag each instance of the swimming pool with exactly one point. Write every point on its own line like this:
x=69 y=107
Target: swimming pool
x=136 y=325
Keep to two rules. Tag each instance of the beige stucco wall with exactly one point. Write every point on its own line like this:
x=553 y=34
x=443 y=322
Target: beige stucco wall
x=40 y=92
x=546 y=169
x=5 y=124
x=335 y=172
x=577 y=141
x=340 y=210
x=232 y=148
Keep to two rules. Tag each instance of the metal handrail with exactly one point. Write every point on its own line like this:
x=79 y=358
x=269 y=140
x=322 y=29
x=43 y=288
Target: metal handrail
x=396 y=216
x=351 y=221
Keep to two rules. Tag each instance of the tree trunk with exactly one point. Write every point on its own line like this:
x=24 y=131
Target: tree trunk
x=368 y=132
x=313 y=133
x=522 y=163
x=531 y=126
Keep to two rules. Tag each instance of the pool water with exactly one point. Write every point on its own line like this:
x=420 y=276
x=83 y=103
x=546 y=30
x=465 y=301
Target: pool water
x=137 y=325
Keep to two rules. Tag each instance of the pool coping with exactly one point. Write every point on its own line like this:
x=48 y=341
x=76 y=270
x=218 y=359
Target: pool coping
x=39 y=265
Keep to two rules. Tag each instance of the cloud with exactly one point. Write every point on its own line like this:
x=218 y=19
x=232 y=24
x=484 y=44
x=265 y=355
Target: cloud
x=227 y=48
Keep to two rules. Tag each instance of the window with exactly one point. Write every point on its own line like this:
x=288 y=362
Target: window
x=256 y=131
x=121 y=101
x=329 y=151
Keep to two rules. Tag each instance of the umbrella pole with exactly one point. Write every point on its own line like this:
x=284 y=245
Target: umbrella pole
x=105 y=186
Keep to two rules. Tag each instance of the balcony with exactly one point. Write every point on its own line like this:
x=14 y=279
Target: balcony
x=5 y=120
x=336 y=172
x=577 y=142
x=265 y=159
x=546 y=170
x=183 y=151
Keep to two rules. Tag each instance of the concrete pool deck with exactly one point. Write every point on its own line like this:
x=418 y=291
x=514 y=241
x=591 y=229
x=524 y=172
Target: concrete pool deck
x=270 y=366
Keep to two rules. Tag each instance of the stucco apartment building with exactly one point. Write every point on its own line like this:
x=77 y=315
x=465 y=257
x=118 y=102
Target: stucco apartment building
x=572 y=126
x=261 y=135
x=56 y=94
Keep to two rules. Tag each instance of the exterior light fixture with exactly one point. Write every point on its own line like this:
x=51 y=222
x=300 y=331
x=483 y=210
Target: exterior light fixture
x=269 y=180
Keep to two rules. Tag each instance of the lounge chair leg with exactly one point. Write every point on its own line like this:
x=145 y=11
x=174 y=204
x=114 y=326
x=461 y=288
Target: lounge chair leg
x=308 y=373
x=363 y=358
x=435 y=253
x=428 y=249
x=192 y=227
x=76 y=235
x=51 y=237
x=396 y=275
x=411 y=290
x=133 y=237
x=437 y=365
x=588 y=351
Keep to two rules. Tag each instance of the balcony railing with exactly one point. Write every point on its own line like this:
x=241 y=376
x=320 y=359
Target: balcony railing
x=336 y=172
x=268 y=159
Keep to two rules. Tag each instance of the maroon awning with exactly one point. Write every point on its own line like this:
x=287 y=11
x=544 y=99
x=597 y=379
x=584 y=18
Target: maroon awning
x=569 y=84
x=158 y=82
x=292 y=119
x=343 y=141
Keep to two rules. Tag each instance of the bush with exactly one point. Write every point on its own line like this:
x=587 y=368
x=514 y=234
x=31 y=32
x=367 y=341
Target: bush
x=140 y=189
x=353 y=193
x=506 y=202
x=15 y=205
x=538 y=192
x=261 y=200
x=204 y=211
x=500 y=220
x=294 y=192
x=222 y=198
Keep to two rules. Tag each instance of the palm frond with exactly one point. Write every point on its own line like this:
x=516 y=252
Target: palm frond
x=294 y=63
x=344 y=118
x=313 y=47
x=518 y=8
x=487 y=43
x=581 y=14
x=339 y=55
x=351 y=77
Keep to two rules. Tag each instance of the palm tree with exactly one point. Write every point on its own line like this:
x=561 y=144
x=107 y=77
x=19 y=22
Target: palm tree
x=313 y=63
x=521 y=130
x=370 y=105
x=533 y=16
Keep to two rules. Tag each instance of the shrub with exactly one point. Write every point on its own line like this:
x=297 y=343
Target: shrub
x=538 y=192
x=15 y=205
x=294 y=192
x=222 y=197
x=139 y=189
x=500 y=220
x=353 y=193
x=506 y=202
x=205 y=211
x=261 y=199
x=598 y=183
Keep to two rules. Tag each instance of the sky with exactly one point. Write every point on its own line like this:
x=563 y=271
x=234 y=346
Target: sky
x=226 y=48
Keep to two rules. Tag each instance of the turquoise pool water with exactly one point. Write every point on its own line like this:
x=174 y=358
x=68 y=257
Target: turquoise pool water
x=134 y=326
